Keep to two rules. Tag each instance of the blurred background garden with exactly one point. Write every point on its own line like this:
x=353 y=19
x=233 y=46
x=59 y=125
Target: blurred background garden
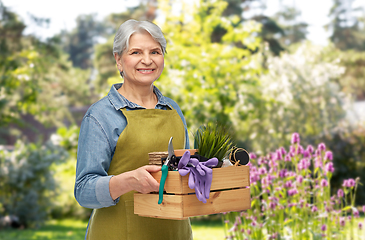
x=227 y=61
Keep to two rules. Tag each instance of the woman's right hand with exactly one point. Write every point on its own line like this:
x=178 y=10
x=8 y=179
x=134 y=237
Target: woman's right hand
x=139 y=180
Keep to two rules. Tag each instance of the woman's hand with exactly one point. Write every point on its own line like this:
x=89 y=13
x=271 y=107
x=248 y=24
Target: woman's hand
x=139 y=180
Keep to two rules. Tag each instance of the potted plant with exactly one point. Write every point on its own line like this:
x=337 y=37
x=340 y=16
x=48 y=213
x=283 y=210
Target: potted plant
x=213 y=140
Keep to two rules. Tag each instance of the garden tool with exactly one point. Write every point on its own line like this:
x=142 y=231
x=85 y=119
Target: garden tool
x=201 y=175
x=165 y=170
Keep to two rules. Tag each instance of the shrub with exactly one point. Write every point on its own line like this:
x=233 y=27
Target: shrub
x=26 y=181
x=291 y=198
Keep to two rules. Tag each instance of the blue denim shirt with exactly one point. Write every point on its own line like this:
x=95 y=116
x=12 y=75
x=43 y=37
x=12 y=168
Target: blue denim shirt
x=99 y=133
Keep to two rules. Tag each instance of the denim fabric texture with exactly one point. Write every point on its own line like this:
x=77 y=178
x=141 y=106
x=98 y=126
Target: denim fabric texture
x=99 y=133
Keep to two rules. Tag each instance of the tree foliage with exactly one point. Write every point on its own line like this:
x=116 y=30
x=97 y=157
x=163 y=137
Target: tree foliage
x=305 y=97
x=36 y=78
x=211 y=81
x=347 y=26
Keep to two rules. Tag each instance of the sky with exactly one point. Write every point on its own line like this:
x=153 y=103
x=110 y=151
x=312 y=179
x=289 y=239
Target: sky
x=63 y=13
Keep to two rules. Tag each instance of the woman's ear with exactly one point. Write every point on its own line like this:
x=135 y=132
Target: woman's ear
x=118 y=60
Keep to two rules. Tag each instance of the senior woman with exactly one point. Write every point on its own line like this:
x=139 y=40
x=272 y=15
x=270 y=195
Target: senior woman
x=119 y=131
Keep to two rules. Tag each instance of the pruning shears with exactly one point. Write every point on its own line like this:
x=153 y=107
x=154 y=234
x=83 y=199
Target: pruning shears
x=165 y=169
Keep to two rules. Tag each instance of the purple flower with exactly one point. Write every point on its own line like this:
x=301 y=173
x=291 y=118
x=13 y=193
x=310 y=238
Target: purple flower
x=329 y=167
x=287 y=158
x=340 y=193
x=349 y=183
x=310 y=149
x=253 y=156
x=328 y=156
x=322 y=147
x=288 y=184
x=314 y=209
x=306 y=154
x=324 y=183
x=304 y=164
x=292 y=149
x=282 y=173
x=342 y=221
x=262 y=170
x=279 y=156
x=360 y=225
x=300 y=149
x=292 y=192
x=282 y=150
x=356 y=213
x=299 y=178
x=295 y=138
x=272 y=205
x=324 y=227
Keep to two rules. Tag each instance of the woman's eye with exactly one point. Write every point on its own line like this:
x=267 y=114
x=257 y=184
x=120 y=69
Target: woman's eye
x=135 y=52
x=155 y=52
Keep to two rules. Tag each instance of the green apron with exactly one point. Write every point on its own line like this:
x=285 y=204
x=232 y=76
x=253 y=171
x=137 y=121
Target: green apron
x=147 y=130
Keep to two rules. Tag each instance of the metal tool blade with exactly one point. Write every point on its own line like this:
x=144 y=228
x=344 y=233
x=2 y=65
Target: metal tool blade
x=170 y=149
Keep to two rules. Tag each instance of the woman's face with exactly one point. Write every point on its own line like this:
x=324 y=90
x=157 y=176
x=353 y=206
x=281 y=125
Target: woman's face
x=142 y=63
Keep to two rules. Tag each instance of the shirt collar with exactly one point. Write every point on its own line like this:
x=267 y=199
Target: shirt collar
x=119 y=101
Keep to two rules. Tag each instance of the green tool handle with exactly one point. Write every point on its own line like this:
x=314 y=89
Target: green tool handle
x=164 y=170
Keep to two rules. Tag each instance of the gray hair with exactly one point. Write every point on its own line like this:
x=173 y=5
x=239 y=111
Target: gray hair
x=125 y=31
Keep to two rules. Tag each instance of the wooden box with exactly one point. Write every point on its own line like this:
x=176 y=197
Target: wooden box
x=229 y=192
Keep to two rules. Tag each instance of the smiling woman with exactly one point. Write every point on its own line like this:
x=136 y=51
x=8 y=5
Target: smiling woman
x=140 y=65
x=119 y=131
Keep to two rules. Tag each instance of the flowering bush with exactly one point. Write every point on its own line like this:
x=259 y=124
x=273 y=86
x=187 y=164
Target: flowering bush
x=291 y=198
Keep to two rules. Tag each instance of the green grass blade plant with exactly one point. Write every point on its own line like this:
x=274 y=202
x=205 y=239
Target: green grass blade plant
x=213 y=140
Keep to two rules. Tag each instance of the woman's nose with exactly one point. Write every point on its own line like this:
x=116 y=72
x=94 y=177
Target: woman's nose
x=146 y=59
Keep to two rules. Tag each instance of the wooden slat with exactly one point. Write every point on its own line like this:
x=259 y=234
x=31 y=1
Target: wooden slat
x=218 y=202
x=223 y=178
x=147 y=205
x=183 y=206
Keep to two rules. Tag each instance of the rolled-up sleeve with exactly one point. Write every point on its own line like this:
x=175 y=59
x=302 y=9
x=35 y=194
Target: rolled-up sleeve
x=94 y=155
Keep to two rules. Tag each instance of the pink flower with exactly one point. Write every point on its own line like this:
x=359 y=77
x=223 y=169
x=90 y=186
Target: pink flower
x=328 y=156
x=295 y=138
x=340 y=193
x=282 y=150
x=253 y=156
x=299 y=178
x=322 y=147
x=329 y=167
x=363 y=208
x=356 y=213
x=360 y=225
x=300 y=149
x=282 y=173
x=342 y=221
x=287 y=158
x=292 y=192
x=314 y=209
x=349 y=183
x=310 y=149
x=324 y=227
x=324 y=183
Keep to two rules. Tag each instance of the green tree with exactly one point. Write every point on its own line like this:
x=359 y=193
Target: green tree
x=35 y=79
x=306 y=97
x=347 y=26
x=79 y=43
x=212 y=82
x=293 y=31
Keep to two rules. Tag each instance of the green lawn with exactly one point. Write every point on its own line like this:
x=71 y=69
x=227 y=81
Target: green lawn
x=75 y=230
